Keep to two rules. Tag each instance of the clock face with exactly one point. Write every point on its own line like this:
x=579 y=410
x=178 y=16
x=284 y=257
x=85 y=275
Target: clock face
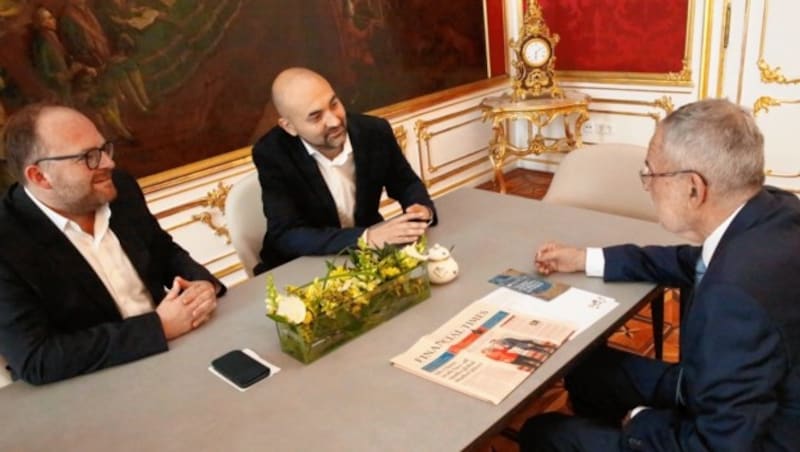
x=536 y=52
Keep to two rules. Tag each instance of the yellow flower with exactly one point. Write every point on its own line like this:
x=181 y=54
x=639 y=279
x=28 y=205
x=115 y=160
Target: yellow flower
x=388 y=272
x=346 y=287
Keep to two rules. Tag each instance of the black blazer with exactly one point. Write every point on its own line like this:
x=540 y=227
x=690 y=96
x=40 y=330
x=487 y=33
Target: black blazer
x=300 y=211
x=57 y=319
x=740 y=335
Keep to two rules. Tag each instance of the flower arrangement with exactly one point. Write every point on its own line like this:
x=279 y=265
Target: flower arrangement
x=370 y=286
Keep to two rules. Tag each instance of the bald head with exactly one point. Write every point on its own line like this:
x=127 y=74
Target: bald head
x=309 y=108
x=289 y=87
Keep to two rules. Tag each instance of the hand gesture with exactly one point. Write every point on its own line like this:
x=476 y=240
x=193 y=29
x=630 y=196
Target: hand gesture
x=187 y=305
x=555 y=257
x=405 y=228
x=419 y=208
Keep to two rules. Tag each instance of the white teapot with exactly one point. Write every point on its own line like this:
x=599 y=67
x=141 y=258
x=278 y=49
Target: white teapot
x=442 y=268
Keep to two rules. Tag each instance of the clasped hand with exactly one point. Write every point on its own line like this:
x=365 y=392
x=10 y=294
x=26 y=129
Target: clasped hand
x=405 y=228
x=187 y=305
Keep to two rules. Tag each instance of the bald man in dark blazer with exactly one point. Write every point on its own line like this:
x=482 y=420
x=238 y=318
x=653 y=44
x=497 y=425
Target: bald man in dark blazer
x=307 y=211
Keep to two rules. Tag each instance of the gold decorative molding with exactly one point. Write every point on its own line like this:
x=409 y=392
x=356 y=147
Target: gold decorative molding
x=208 y=219
x=665 y=103
x=743 y=51
x=765 y=102
x=215 y=199
x=462 y=168
x=772 y=173
x=229 y=270
x=189 y=187
x=723 y=46
x=652 y=115
x=402 y=137
x=769 y=73
x=774 y=75
x=685 y=75
x=195 y=171
x=461 y=183
x=424 y=136
x=705 y=55
x=220 y=258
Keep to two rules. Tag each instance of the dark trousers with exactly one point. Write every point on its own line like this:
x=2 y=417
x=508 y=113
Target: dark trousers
x=602 y=389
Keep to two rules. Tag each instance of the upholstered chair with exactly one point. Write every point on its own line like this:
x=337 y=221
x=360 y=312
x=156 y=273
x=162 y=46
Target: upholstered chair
x=244 y=215
x=605 y=177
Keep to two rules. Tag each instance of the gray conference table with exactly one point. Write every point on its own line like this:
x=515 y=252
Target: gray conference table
x=349 y=400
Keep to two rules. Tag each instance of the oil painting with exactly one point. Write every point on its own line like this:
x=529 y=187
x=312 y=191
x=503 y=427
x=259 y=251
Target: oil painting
x=175 y=81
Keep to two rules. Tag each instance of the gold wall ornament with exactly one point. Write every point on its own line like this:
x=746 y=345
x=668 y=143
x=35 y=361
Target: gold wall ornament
x=215 y=199
x=402 y=137
x=685 y=75
x=533 y=68
x=774 y=75
x=764 y=102
x=772 y=173
x=665 y=103
x=208 y=219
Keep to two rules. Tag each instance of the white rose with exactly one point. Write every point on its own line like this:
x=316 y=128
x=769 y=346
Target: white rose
x=292 y=308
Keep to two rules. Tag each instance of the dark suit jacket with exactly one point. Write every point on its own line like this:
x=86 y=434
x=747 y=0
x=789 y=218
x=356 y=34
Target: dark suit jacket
x=57 y=319
x=300 y=211
x=740 y=335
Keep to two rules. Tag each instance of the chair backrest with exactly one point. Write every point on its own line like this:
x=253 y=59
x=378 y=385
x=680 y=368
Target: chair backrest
x=244 y=215
x=5 y=375
x=603 y=177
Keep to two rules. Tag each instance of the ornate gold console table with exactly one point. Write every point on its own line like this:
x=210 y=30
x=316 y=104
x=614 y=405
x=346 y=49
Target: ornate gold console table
x=539 y=113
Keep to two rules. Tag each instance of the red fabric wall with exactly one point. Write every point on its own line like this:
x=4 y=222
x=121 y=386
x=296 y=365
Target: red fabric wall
x=618 y=35
x=497 y=42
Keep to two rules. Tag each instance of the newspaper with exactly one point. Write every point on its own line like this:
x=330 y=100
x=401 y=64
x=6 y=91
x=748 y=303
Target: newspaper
x=485 y=351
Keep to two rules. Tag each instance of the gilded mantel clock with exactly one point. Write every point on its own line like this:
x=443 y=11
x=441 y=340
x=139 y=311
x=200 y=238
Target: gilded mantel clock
x=534 y=62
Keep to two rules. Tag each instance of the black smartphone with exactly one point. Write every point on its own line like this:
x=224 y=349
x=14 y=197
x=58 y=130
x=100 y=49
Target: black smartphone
x=240 y=368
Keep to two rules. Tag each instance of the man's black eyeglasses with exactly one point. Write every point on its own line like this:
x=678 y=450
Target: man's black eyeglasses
x=91 y=156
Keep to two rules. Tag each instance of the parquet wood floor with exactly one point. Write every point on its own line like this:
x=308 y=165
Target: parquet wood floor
x=635 y=336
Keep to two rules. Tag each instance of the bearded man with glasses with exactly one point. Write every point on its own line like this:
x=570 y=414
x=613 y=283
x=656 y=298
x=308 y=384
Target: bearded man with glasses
x=88 y=279
x=737 y=385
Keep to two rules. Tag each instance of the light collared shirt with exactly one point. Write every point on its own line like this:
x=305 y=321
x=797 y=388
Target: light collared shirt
x=340 y=177
x=596 y=261
x=105 y=255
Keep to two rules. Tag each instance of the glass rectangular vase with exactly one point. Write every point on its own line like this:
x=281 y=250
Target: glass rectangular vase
x=306 y=343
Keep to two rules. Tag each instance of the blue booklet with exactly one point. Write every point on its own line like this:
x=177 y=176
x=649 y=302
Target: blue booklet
x=529 y=284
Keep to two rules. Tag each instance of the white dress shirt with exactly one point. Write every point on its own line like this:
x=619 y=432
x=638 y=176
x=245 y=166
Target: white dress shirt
x=340 y=177
x=596 y=261
x=105 y=255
